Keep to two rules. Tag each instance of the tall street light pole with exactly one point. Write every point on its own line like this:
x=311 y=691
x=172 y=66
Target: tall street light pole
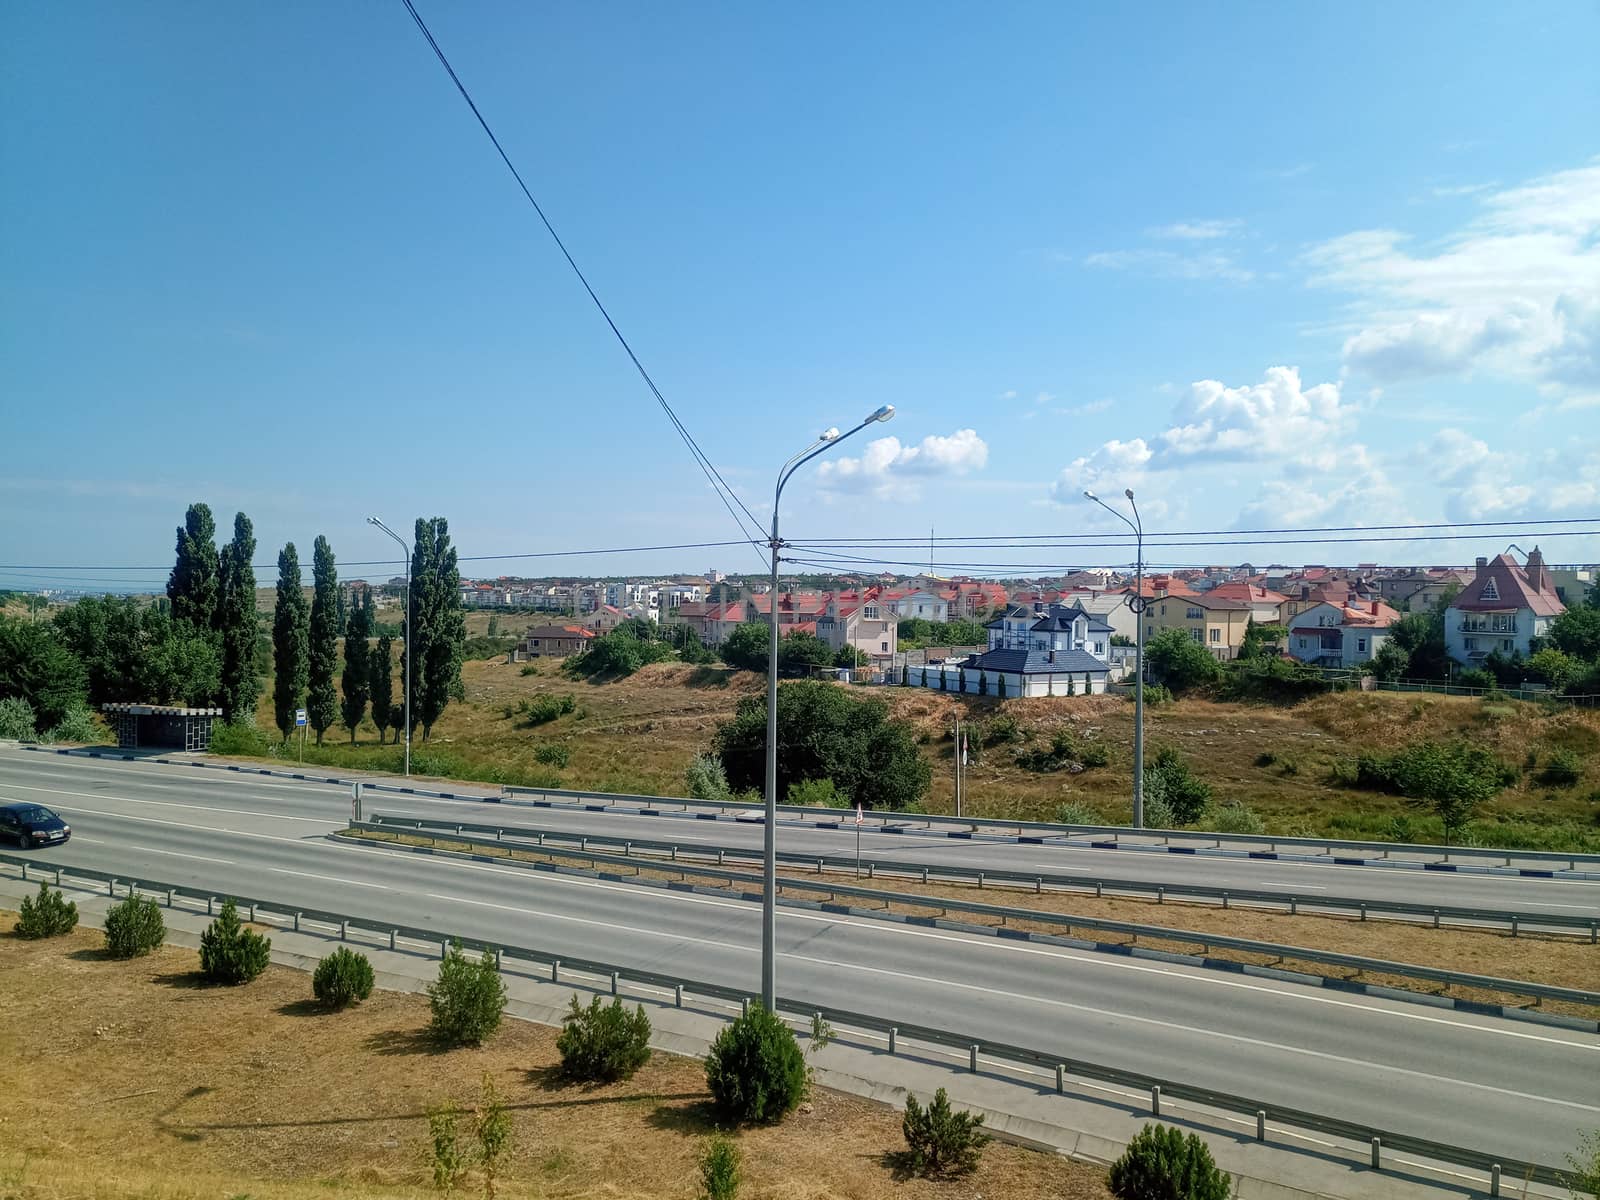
x=769 y=891
x=406 y=550
x=1138 y=604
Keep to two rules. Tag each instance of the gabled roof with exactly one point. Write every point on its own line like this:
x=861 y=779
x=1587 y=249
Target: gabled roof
x=1240 y=589
x=1037 y=662
x=1509 y=588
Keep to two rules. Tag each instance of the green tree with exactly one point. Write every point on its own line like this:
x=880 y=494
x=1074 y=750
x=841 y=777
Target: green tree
x=1421 y=636
x=801 y=652
x=240 y=684
x=178 y=662
x=1391 y=661
x=194 y=586
x=356 y=682
x=37 y=666
x=849 y=657
x=1178 y=661
x=322 y=652
x=754 y=1070
x=746 y=647
x=1161 y=1162
x=826 y=732
x=438 y=633
x=1553 y=668
x=289 y=637
x=230 y=953
x=1576 y=632
x=1262 y=641
x=380 y=681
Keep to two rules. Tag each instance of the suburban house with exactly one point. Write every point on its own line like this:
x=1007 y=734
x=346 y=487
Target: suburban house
x=1501 y=610
x=555 y=641
x=1334 y=635
x=712 y=620
x=1422 y=590
x=794 y=609
x=924 y=605
x=604 y=619
x=860 y=619
x=1267 y=607
x=1217 y=623
x=1060 y=652
x=1571 y=583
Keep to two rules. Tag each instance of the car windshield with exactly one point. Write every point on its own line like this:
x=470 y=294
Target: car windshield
x=33 y=814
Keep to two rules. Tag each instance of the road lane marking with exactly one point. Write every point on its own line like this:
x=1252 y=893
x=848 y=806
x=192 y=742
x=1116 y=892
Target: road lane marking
x=211 y=808
x=328 y=878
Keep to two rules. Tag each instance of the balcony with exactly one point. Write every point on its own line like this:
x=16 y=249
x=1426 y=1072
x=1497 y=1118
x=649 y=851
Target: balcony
x=1505 y=628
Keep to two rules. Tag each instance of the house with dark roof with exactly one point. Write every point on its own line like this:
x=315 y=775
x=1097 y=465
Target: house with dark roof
x=1058 y=652
x=1502 y=610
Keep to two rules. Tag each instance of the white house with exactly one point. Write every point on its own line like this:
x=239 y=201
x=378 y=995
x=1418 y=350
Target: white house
x=1333 y=635
x=1060 y=652
x=923 y=605
x=1501 y=610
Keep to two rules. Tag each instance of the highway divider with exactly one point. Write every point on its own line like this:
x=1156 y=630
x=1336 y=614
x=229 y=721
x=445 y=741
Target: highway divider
x=927 y=872
x=661 y=988
x=1066 y=923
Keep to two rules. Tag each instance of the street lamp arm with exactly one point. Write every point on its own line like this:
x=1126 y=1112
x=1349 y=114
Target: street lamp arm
x=1119 y=516
x=816 y=448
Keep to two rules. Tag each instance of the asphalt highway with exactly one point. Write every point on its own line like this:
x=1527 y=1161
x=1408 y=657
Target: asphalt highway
x=1507 y=1087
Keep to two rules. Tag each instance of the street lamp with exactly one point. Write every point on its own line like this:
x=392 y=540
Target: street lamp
x=407 y=551
x=769 y=915
x=1138 y=604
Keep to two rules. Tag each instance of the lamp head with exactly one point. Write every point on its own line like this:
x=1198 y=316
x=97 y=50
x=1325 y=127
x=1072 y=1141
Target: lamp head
x=1090 y=494
x=829 y=434
x=372 y=520
x=883 y=414
x=1128 y=492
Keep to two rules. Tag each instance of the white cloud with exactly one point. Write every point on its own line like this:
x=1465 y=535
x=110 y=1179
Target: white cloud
x=1345 y=486
x=1210 y=265
x=888 y=468
x=1270 y=419
x=1197 y=230
x=1114 y=466
x=1481 y=483
x=1463 y=189
x=1515 y=293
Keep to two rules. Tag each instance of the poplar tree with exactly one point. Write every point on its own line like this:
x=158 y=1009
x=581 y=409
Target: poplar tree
x=193 y=585
x=289 y=635
x=357 y=682
x=381 y=682
x=236 y=624
x=438 y=634
x=322 y=702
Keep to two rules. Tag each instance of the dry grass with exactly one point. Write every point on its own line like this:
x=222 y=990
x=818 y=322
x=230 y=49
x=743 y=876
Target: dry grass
x=638 y=734
x=1552 y=959
x=125 y=1079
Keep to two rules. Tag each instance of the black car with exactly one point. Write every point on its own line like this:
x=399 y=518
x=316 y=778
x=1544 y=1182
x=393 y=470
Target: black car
x=32 y=825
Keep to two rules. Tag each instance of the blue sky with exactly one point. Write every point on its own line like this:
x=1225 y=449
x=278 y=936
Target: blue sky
x=1270 y=265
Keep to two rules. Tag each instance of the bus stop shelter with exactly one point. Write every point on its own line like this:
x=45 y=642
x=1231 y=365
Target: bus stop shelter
x=161 y=726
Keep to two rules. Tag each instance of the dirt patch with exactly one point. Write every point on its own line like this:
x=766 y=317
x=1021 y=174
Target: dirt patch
x=113 y=1085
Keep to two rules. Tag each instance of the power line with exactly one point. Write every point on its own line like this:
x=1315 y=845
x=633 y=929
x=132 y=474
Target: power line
x=713 y=476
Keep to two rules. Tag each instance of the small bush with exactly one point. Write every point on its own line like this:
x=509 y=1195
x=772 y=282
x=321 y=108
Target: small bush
x=940 y=1140
x=16 y=719
x=603 y=1043
x=542 y=709
x=467 y=999
x=1266 y=758
x=530 y=669
x=755 y=1071
x=719 y=1169
x=1067 y=750
x=492 y=1123
x=77 y=724
x=1074 y=812
x=1001 y=729
x=134 y=927
x=816 y=793
x=342 y=978
x=707 y=780
x=1561 y=769
x=553 y=754
x=1155 y=694
x=49 y=914
x=230 y=953
x=240 y=739
x=445 y=1156
x=1169 y=779
x=1236 y=817
x=1162 y=1164
x=1157 y=812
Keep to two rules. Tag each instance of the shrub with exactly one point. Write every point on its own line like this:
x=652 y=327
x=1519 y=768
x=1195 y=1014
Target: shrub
x=755 y=1071
x=706 y=780
x=77 y=724
x=1075 y=812
x=817 y=793
x=342 y=978
x=543 y=709
x=530 y=669
x=1156 y=694
x=1236 y=817
x=603 y=1043
x=1000 y=729
x=134 y=927
x=1157 y=812
x=445 y=1156
x=1180 y=662
x=230 y=953
x=49 y=914
x=1266 y=758
x=1162 y=1164
x=719 y=1169
x=1066 y=749
x=492 y=1123
x=16 y=719
x=467 y=999
x=1561 y=769
x=940 y=1140
x=1169 y=779
x=240 y=739
x=553 y=754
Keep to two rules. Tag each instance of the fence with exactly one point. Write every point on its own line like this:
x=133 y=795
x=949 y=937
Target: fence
x=891 y=1030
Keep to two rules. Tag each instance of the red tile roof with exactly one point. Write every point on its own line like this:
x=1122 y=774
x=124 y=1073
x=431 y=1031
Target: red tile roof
x=1512 y=588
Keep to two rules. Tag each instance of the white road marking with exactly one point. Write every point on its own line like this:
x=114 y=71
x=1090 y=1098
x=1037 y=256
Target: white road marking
x=326 y=822
x=328 y=878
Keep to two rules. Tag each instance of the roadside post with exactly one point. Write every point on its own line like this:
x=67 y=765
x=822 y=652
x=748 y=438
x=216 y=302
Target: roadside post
x=355 y=799
x=300 y=720
x=858 y=841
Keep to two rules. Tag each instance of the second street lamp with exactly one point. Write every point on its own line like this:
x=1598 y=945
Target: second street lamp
x=407 y=551
x=1137 y=603
x=769 y=872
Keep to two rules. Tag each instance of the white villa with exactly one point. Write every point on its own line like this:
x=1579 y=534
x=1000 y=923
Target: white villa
x=1057 y=652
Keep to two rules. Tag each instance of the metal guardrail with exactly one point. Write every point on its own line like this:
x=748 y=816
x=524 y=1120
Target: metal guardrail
x=1294 y=902
x=897 y=822
x=1066 y=1068
x=1206 y=941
